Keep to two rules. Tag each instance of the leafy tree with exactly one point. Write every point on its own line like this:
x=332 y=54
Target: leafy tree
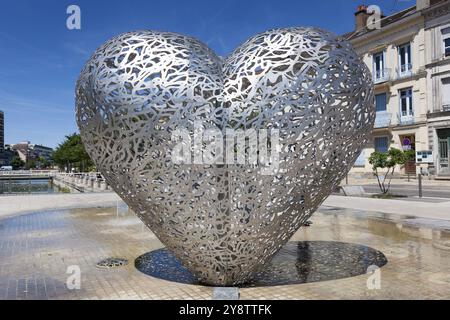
x=71 y=153
x=388 y=160
x=42 y=162
x=17 y=163
x=30 y=164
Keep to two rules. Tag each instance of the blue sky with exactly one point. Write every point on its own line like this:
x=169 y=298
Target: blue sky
x=41 y=59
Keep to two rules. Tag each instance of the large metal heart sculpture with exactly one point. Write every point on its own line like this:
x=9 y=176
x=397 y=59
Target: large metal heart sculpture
x=224 y=221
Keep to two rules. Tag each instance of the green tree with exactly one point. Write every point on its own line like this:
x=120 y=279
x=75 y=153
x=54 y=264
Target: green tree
x=17 y=163
x=30 y=164
x=71 y=153
x=42 y=162
x=388 y=160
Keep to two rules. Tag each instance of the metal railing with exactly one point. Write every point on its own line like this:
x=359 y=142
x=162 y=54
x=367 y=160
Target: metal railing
x=82 y=181
x=404 y=71
x=382 y=75
x=404 y=118
x=31 y=173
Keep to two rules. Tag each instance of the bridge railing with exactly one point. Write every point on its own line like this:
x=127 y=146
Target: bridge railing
x=30 y=173
x=92 y=180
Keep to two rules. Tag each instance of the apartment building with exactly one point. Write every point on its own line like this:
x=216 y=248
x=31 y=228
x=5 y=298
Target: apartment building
x=2 y=139
x=398 y=55
x=27 y=151
x=437 y=47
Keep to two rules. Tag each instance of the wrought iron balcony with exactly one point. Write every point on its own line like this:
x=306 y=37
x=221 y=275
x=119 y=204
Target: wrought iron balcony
x=382 y=119
x=382 y=75
x=404 y=71
x=405 y=119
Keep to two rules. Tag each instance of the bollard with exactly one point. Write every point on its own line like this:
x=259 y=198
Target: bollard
x=420 y=185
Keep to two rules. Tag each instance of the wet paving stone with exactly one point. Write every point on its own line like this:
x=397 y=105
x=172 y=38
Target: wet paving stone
x=328 y=260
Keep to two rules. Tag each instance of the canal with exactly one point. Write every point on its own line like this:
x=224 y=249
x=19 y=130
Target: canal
x=24 y=186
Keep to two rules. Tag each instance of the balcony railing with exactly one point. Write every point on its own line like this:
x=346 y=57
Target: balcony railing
x=404 y=71
x=382 y=119
x=382 y=75
x=405 y=119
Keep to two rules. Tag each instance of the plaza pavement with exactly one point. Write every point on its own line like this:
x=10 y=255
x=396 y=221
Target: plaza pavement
x=36 y=250
x=39 y=251
x=414 y=207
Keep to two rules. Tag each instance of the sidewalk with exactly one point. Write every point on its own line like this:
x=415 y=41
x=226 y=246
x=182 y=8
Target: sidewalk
x=426 y=181
x=416 y=208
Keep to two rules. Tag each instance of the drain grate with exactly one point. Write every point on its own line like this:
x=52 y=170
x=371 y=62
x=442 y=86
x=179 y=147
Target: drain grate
x=109 y=263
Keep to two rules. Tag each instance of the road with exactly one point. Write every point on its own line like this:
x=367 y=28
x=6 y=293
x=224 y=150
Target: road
x=413 y=190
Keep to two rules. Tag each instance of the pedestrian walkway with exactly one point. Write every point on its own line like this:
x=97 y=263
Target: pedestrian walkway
x=416 y=208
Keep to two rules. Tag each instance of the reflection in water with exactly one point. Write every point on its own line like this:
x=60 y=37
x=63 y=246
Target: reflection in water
x=297 y=262
x=27 y=186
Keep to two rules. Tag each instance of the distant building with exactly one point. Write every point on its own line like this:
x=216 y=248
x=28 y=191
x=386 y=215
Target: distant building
x=2 y=138
x=437 y=48
x=28 y=151
x=38 y=151
x=409 y=57
x=8 y=155
x=22 y=149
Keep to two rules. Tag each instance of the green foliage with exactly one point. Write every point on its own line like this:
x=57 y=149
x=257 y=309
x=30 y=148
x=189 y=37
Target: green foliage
x=388 y=160
x=17 y=163
x=42 y=162
x=30 y=164
x=72 y=154
x=410 y=155
x=63 y=189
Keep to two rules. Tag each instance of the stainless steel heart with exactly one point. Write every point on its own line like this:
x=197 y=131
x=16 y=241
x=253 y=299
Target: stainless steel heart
x=224 y=221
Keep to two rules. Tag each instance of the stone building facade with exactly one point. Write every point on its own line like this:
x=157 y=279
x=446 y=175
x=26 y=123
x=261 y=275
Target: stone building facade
x=408 y=60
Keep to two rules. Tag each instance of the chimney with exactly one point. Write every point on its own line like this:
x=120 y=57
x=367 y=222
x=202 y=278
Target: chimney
x=361 y=17
x=422 y=4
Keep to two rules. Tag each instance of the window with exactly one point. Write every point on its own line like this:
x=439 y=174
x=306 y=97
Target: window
x=446 y=94
x=404 y=58
x=381 y=144
x=446 y=41
x=380 y=102
x=361 y=160
x=378 y=65
x=406 y=103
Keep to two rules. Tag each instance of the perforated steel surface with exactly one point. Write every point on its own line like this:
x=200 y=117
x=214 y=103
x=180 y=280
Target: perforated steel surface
x=224 y=221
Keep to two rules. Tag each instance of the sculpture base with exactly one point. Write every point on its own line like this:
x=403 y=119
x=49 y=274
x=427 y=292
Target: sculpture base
x=297 y=262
